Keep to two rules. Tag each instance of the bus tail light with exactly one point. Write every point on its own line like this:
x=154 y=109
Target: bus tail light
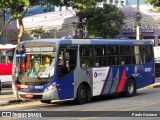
x=18 y=86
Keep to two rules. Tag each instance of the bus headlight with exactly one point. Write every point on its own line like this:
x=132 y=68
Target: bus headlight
x=51 y=87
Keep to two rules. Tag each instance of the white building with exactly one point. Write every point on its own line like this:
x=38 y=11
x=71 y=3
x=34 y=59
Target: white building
x=118 y=3
x=53 y=25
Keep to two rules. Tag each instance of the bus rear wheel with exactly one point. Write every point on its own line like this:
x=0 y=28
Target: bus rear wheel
x=81 y=95
x=130 y=89
x=46 y=101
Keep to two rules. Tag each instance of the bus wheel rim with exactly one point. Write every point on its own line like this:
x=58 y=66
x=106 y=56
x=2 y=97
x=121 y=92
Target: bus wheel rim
x=83 y=94
x=130 y=88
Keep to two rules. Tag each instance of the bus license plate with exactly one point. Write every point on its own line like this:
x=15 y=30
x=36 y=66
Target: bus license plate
x=29 y=95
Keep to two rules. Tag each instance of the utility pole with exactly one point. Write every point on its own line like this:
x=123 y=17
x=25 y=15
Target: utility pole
x=138 y=18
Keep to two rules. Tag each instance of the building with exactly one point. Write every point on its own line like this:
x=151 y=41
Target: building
x=149 y=22
x=58 y=24
x=120 y=3
x=61 y=22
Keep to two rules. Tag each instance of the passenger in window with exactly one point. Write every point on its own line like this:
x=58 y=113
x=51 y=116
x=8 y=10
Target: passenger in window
x=61 y=60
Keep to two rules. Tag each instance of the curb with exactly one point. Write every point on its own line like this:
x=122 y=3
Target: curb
x=15 y=101
x=12 y=101
x=157 y=85
x=4 y=102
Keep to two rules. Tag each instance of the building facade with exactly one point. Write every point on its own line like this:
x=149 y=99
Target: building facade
x=120 y=3
x=113 y=2
x=61 y=22
x=149 y=22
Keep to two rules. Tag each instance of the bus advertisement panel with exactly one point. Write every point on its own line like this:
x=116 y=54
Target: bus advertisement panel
x=78 y=69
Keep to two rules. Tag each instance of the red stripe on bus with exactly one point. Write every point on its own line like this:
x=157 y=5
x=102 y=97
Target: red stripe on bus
x=122 y=81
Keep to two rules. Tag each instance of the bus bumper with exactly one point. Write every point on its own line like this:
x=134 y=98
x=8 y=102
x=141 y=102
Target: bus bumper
x=47 y=95
x=50 y=95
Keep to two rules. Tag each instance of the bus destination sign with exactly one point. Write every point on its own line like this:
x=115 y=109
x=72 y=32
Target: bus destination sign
x=40 y=49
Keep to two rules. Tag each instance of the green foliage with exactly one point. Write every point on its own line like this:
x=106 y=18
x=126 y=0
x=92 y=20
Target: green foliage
x=38 y=33
x=155 y=3
x=16 y=7
x=102 y=22
x=84 y=4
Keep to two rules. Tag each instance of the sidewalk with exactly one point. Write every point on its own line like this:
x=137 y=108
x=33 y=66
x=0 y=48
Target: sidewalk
x=155 y=85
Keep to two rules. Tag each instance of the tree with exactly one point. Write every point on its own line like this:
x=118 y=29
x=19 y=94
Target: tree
x=102 y=22
x=155 y=3
x=84 y=4
x=81 y=5
x=18 y=9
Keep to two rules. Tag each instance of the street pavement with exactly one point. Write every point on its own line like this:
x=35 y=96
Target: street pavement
x=9 y=98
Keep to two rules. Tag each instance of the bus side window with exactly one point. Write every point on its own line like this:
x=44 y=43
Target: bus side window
x=113 y=55
x=86 y=56
x=67 y=61
x=100 y=55
x=125 y=55
x=137 y=54
x=147 y=53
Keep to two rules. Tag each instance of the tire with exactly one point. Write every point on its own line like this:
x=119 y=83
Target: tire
x=82 y=95
x=46 y=101
x=130 y=89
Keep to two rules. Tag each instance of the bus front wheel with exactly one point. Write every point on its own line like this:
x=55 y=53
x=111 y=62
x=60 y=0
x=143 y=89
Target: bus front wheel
x=81 y=95
x=130 y=89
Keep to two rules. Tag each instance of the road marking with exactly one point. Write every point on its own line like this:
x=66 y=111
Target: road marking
x=145 y=105
x=122 y=106
x=134 y=108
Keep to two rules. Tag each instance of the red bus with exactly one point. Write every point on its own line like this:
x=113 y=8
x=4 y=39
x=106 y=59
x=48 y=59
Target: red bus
x=6 y=57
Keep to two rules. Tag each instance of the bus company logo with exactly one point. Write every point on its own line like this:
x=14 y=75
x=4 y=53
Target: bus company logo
x=95 y=74
x=98 y=74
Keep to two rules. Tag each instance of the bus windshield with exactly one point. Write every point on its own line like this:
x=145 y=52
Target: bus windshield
x=33 y=65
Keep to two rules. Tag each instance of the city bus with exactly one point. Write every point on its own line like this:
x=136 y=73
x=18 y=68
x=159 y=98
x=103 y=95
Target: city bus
x=79 y=69
x=6 y=63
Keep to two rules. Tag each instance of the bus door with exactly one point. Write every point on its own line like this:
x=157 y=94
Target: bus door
x=66 y=65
